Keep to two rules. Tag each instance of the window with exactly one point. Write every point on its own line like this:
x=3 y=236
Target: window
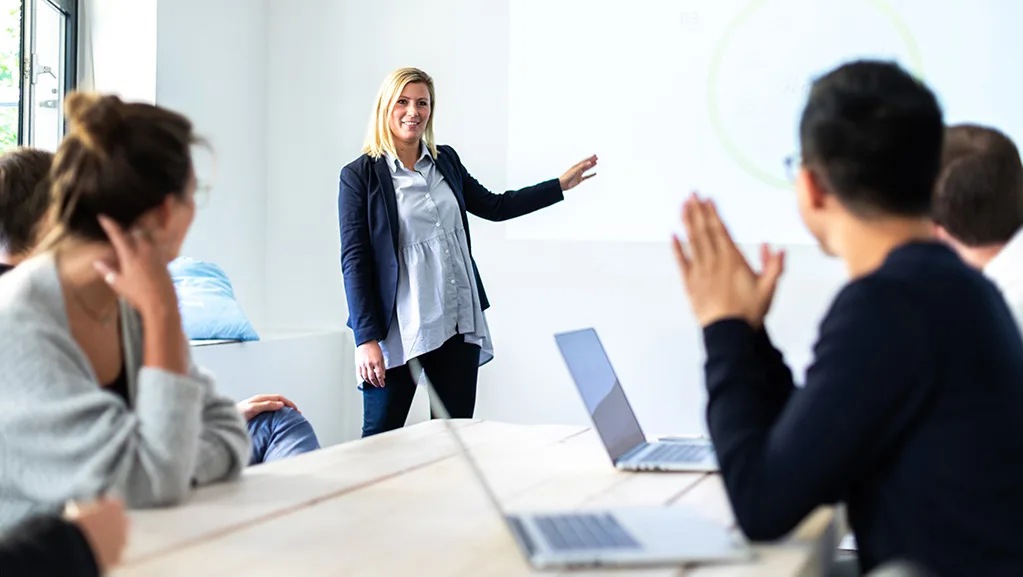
x=38 y=66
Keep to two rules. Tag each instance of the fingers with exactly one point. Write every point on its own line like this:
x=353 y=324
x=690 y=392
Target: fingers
x=585 y=164
x=274 y=397
x=575 y=175
x=773 y=264
x=372 y=373
x=110 y=276
x=718 y=230
x=378 y=375
x=120 y=242
x=265 y=406
x=684 y=264
x=696 y=231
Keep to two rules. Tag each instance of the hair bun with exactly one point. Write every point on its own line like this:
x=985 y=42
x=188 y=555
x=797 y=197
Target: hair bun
x=95 y=119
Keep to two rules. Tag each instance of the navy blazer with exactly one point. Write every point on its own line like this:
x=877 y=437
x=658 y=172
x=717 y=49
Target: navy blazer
x=368 y=214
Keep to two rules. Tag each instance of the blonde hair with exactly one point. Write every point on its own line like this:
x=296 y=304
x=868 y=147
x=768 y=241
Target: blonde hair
x=379 y=138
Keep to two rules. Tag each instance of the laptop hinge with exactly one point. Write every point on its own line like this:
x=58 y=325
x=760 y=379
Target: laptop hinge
x=519 y=529
x=632 y=452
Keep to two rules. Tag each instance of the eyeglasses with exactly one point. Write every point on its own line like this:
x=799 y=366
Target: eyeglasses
x=202 y=194
x=792 y=164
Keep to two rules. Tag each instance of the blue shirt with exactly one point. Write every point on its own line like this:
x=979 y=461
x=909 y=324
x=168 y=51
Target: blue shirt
x=437 y=297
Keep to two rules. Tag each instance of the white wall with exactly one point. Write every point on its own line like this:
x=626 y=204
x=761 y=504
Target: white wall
x=328 y=59
x=211 y=66
x=118 y=54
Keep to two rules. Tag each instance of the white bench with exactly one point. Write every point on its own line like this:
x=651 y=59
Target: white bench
x=315 y=369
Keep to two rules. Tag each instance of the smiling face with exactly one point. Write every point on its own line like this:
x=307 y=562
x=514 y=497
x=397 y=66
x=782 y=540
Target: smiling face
x=411 y=114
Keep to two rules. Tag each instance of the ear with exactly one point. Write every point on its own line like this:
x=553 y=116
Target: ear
x=158 y=217
x=810 y=189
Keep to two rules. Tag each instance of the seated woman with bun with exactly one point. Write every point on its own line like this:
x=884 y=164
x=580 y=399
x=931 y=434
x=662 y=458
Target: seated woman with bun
x=100 y=394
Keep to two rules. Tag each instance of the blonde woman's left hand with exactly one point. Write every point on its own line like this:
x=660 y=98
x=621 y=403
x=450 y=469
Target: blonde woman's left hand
x=576 y=174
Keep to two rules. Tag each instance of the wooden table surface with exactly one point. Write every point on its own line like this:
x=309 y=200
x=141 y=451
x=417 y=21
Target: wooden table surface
x=405 y=503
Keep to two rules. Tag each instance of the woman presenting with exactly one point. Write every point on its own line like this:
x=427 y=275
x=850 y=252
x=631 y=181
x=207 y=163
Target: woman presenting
x=412 y=286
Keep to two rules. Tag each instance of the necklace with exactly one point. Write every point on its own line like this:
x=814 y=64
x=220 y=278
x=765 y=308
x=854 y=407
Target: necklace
x=104 y=318
x=101 y=317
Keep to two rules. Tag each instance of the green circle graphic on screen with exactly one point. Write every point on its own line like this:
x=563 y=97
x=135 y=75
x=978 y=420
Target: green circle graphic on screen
x=770 y=176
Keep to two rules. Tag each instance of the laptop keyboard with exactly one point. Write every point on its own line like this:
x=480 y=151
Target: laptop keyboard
x=584 y=531
x=678 y=453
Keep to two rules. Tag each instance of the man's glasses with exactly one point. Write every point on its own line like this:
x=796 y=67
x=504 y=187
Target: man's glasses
x=202 y=194
x=792 y=164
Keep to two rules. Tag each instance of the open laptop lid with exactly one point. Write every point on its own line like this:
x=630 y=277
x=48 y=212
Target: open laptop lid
x=419 y=375
x=602 y=394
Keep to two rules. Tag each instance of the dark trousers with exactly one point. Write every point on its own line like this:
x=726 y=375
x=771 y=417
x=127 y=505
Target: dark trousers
x=452 y=370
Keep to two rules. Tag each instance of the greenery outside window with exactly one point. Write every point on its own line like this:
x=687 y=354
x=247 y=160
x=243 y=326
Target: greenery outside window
x=38 y=67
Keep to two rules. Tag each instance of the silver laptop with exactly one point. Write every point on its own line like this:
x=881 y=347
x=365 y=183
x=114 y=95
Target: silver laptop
x=614 y=419
x=624 y=537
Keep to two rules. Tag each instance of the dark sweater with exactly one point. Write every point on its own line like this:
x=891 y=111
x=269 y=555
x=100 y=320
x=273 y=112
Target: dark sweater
x=912 y=414
x=46 y=546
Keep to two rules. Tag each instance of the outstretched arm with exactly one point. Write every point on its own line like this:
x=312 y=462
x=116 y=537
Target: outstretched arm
x=515 y=203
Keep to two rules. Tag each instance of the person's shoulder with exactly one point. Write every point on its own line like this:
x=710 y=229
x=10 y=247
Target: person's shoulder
x=31 y=307
x=873 y=291
x=447 y=151
x=360 y=165
x=29 y=288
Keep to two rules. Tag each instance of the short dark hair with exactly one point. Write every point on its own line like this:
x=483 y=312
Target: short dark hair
x=24 y=197
x=978 y=197
x=873 y=134
x=119 y=159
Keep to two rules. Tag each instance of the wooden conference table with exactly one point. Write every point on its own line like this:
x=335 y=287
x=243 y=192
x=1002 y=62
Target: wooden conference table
x=405 y=503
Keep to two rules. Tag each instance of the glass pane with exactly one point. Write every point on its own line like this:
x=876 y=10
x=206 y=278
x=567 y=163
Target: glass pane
x=10 y=71
x=48 y=98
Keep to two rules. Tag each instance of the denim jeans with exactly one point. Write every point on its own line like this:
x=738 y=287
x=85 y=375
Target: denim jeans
x=280 y=434
x=453 y=371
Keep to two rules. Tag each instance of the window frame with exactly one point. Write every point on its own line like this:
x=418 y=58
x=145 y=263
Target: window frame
x=69 y=9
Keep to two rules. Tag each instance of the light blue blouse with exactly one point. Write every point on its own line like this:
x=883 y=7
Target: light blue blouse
x=437 y=295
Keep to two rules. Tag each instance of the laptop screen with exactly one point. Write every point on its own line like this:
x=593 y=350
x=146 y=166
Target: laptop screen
x=601 y=392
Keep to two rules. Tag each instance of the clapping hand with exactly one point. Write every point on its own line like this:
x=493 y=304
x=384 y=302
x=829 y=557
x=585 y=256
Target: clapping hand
x=717 y=277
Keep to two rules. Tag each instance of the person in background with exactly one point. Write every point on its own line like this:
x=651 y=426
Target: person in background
x=978 y=206
x=87 y=542
x=24 y=201
x=412 y=285
x=912 y=410
x=276 y=426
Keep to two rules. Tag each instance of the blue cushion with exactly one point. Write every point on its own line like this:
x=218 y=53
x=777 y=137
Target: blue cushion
x=206 y=300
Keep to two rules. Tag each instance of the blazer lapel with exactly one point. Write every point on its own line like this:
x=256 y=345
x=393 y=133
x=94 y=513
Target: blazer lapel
x=390 y=202
x=448 y=172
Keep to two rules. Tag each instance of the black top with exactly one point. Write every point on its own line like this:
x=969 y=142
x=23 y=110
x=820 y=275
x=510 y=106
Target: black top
x=119 y=386
x=46 y=546
x=912 y=414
